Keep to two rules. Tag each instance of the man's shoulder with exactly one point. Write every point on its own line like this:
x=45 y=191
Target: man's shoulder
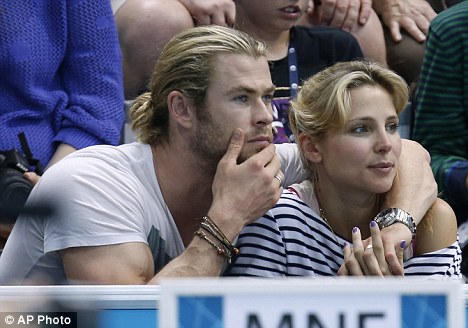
x=102 y=164
x=103 y=151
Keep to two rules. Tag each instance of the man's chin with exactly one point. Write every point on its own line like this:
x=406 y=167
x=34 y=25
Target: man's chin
x=247 y=153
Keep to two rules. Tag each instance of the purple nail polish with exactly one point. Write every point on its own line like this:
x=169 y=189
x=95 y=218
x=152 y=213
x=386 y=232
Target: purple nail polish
x=373 y=224
x=355 y=229
x=403 y=244
x=345 y=244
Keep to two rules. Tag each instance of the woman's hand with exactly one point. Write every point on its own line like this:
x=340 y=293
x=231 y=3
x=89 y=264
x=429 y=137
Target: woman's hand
x=373 y=256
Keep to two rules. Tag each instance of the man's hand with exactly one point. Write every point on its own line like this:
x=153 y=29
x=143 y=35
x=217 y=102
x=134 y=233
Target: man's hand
x=414 y=189
x=244 y=192
x=413 y=16
x=344 y=14
x=206 y=12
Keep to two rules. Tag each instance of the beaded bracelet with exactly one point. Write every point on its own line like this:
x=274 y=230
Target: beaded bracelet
x=221 y=251
x=229 y=249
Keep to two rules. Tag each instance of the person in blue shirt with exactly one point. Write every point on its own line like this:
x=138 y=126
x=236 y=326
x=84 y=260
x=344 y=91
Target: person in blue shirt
x=60 y=76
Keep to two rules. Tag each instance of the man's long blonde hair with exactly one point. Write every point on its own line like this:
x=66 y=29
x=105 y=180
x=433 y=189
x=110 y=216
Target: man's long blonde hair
x=186 y=65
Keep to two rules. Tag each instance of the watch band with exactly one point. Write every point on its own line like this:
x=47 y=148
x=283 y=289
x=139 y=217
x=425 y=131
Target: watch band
x=392 y=215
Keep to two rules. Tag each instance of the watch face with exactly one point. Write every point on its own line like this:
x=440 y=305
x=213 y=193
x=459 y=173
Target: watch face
x=392 y=215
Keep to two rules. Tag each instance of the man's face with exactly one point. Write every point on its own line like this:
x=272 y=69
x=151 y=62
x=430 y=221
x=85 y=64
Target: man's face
x=238 y=97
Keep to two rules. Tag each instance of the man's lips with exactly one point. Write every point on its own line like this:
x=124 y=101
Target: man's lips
x=261 y=139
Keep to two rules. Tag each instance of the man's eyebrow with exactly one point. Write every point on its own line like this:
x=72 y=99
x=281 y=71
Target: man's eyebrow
x=250 y=90
x=271 y=89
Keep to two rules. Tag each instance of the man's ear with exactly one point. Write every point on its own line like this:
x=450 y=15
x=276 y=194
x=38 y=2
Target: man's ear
x=310 y=147
x=181 y=108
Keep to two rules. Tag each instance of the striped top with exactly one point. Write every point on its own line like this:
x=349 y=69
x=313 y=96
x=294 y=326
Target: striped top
x=441 y=118
x=293 y=240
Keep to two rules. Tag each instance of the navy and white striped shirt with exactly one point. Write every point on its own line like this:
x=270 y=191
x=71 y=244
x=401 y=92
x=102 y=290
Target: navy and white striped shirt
x=293 y=240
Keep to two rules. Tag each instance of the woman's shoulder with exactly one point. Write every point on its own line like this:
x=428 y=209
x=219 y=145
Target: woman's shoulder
x=437 y=229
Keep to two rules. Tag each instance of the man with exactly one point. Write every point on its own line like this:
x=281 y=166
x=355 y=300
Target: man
x=128 y=214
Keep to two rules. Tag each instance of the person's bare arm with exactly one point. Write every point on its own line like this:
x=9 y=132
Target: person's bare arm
x=241 y=193
x=205 y=12
x=415 y=191
x=121 y=264
x=437 y=230
x=414 y=16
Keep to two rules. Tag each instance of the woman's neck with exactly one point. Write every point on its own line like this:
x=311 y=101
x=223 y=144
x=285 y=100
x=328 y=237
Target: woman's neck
x=343 y=210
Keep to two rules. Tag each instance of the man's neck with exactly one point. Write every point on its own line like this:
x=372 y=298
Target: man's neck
x=187 y=193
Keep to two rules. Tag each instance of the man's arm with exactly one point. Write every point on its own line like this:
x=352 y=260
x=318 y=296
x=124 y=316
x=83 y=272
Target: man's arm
x=241 y=194
x=415 y=191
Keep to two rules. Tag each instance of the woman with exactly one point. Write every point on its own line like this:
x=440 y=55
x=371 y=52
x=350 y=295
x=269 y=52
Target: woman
x=345 y=121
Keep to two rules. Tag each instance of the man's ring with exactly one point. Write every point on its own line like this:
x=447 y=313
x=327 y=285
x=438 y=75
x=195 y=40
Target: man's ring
x=368 y=247
x=279 y=178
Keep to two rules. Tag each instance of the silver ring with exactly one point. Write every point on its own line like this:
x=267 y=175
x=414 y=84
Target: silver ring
x=280 y=179
x=368 y=247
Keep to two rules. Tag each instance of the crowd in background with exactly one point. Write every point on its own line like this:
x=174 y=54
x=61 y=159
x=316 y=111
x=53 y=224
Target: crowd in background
x=68 y=93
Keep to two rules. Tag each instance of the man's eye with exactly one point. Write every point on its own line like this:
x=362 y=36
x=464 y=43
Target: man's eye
x=241 y=99
x=267 y=99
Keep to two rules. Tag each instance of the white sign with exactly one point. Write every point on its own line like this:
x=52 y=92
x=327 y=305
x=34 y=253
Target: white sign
x=311 y=303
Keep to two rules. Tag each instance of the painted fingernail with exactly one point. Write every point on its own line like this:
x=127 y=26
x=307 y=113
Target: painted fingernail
x=345 y=244
x=373 y=223
x=403 y=244
x=355 y=229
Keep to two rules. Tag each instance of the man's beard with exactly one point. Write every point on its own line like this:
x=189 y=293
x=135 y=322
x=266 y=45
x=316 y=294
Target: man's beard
x=210 y=143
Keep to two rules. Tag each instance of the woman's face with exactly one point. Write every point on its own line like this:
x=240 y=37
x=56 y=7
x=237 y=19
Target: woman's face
x=363 y=155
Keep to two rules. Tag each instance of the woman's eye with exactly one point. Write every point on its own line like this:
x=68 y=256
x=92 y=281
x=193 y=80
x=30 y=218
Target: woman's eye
x=393 y=127
x=360 y=129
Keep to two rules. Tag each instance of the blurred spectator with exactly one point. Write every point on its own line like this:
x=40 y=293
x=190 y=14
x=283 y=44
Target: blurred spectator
x=441 y=117
x=60 y=76
x=145 y=26
x=61 y=82
x=401 y=40
x=354 y=16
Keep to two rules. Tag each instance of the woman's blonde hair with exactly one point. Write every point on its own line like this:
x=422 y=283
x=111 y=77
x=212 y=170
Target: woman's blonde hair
x=186 y=64
x=324 y=101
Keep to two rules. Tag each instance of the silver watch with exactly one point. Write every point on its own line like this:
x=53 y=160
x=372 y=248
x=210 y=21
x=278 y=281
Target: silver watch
x=392 y=215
